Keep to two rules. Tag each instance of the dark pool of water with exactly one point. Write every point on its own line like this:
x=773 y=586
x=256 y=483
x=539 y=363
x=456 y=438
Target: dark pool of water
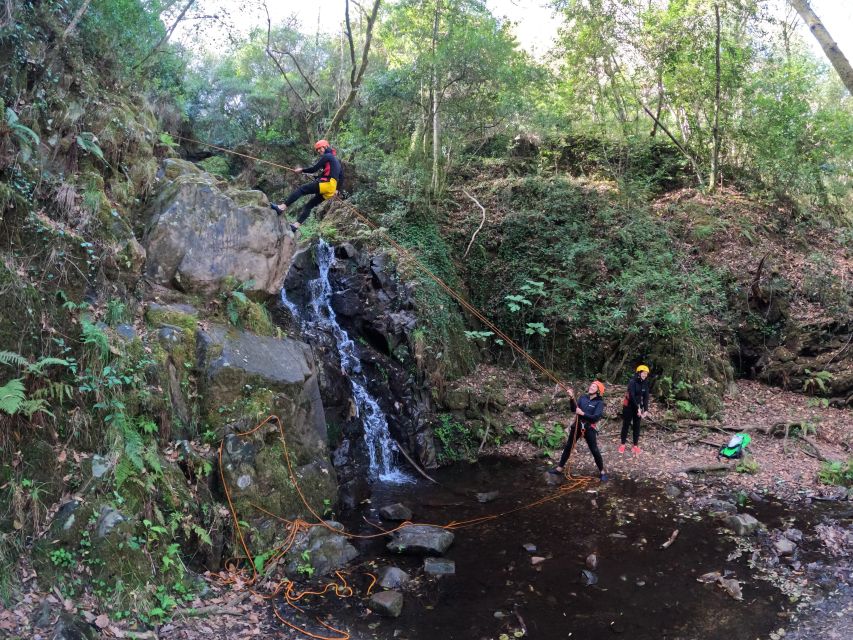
x=642 y=590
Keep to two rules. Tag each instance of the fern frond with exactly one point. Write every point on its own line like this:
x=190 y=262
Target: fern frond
x=150 y=456
x=134 y=448
x=202 y=534
x=92 y=335
x=12 y=396
x=123 y=471
x=13 y=359
x=31 y=407
x=37 y=367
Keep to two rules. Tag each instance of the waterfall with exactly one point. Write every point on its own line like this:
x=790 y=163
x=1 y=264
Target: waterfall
x=380 y=446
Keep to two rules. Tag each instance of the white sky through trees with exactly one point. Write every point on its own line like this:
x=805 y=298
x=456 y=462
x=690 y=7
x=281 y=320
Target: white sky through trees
x=536 y=25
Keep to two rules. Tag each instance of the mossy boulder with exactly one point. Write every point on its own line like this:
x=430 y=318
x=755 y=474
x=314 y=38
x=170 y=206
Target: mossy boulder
x=199 y=236
x=244 y=379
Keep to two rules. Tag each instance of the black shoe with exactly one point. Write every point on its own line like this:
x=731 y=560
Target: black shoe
x=294 y=228
x=276 y=208
x=554 y=471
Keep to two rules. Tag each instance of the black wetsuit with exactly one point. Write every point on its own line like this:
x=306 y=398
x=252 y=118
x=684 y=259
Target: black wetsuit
x=638 y=398
x=593 y=409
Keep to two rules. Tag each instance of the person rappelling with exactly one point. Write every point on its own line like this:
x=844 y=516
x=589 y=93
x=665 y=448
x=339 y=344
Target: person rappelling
x=323 y=187
x=588 y=411
x=635 y=407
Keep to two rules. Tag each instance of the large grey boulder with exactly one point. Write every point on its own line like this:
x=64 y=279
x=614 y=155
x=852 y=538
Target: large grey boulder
x=421 y=539
x=244 y=379
x=198 y=237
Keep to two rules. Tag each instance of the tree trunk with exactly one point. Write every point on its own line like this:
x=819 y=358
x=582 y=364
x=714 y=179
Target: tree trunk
x=73 y=25
x=357 y=73
x=829 y=46
x=436 y=121
x=715 y=130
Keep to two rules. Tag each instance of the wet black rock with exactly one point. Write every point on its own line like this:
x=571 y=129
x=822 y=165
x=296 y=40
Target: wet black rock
x=588 y=578
x=487 y=497
x=439 y=567
x=387 y=603
x=395 y=511
x=421 y=539
x=392 y=577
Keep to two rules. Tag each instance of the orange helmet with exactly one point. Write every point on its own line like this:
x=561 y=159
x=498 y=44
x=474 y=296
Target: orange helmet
x=321 y=144
x=600 y=386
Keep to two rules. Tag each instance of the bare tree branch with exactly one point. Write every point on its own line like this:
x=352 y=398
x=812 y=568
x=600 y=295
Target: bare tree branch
x=283 y=71
x=355 y=76
x=166 y=35
x=482 y=222
x=73 y=24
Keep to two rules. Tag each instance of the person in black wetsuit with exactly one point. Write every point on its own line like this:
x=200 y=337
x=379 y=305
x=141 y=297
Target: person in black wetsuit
x=324 y=187
x=635 y=407
x=588 y=409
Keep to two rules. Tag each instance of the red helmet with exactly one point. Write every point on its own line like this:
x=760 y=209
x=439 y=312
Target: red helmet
x=321 y=144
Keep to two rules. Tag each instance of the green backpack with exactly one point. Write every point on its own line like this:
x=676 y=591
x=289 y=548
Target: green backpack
x=734 y=449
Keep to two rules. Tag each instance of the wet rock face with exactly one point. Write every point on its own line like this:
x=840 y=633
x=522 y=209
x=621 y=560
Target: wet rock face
x=198 y=236
x=377 y=311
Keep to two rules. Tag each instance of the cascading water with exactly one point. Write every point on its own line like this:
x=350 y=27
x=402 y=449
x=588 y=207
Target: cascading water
x=380 y=446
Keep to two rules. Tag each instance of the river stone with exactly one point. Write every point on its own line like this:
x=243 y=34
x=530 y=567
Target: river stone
x=487 y=497
x=198 y=238
x=721 y=506
x=392 y=577
x=742 y=524
x=387 y=603
x=529 y=547
x=326 y=550
x=784 y=547
x=107 y=521
x=439 y=567
x=395 y=511
x=421 y=539
x=672 y=491
x=794 y=535
x=126 y=332
x=553 y=479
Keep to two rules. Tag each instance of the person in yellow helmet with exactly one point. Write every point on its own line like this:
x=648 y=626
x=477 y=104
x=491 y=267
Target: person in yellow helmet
x=588 y=411
x=635 y=407
x=323 y=187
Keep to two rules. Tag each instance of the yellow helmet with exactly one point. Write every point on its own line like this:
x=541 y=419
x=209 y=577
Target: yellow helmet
x=642 y=367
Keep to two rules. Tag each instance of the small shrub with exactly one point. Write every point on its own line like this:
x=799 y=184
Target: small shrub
x=837 y=473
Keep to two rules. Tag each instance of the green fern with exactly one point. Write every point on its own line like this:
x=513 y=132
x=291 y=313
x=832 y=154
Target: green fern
x=134 y=448
x=13 y=359
x=97 y=339
x=12 y=396
x=123 y=471
x=26 y=137
x=31 y=407
x=37 y=367
x=202 y=534
x=89 y=143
